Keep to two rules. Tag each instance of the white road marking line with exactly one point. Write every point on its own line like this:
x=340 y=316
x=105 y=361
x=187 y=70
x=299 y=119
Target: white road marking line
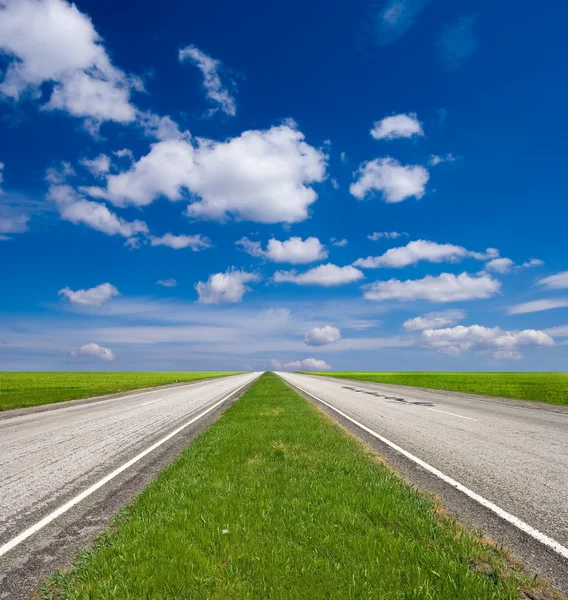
x=453 y=414
x=68 y=505
x=534 y=533
x=151 y=402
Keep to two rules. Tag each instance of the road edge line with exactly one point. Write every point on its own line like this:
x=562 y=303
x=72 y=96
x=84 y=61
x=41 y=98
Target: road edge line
x=500 y=512
x=11 y=544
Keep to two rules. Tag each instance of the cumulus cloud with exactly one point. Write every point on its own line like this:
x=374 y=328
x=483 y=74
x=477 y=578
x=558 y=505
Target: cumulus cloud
x=161 y=128
x=420 y=250
x=397 y=126
x=458 y=42
x=11 y=223
x=394 y=181
x=294 y=250
x=537 y=306
x=124 y=153
x=307 y=364
x=446 y=287
x=337 y=242
x=76 y=209
x=436 y=160
x=92 y=297
x=321 y=336
x=558 y=281
x=396 y=17
x=97 y=166
x=500 y=265
x=327 y=275
x=95 y=351
x=209 y=67
x=260 y=176
x=503 y=344
x=177 y=242
x=52 y=41
x=434 y=320
x=388 y=235
x=533 y=262
x=225 y=288
x=167 y=282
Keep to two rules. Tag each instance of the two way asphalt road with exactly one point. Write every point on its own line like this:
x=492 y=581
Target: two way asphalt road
x=513 y=454
x=47 y=458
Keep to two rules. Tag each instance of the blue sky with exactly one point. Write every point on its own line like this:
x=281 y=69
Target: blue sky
x=361 y=186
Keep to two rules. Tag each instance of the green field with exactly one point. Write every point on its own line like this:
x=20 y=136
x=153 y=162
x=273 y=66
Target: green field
x=539 y=387
x=21 y=389
x=276 y=501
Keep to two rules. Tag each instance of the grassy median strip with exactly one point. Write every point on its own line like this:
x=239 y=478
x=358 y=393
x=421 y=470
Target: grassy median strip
x=276 y=501
x=539 y=387
x=22 y=389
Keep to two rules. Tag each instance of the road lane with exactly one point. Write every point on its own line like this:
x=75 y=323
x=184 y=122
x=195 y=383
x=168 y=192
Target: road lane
x=47 y=458
x=514 y=455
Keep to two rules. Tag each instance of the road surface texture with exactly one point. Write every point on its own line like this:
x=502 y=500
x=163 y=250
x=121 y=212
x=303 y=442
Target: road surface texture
x=512 y=453
x=49 y=457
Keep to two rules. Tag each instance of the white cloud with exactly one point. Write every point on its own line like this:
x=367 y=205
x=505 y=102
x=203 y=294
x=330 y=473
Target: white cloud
x=503 y=344
x=334 y=183
x=52 y=41
x=537 y=306
x=436 y=160
x=446 y=287
x=458 y=42
x=388 y=235
x=73 y=207
x=339 y=243
x=395 y=181
x=97 y=166
x=434 y=320
x=275 y=365
x=177 y=242
x=210 y=67
x=321 y=336
x=507 y=355
x=124 y=153
x=327 y=275
x=92 y=297
x=561 y=331
x=94 y=350
x=225 y=288
x=533 y=262
x=295 y=250
x=419 y=250
x=13 y=224
x=259 y=176
x=167 y=282
x=58 y=175
x=558 y=281
x=307 y=364
x=397 y=126
x=159 y=127
x=1 y=175
x=500 y=265
x=397 y=17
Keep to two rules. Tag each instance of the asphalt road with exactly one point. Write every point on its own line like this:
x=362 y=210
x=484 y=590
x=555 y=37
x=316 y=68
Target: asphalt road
x=511 y=453
x=47 y=458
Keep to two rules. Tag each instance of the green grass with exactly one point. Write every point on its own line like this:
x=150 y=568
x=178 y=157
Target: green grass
x=539 y=387
x=274 y=501
x=21 y=389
